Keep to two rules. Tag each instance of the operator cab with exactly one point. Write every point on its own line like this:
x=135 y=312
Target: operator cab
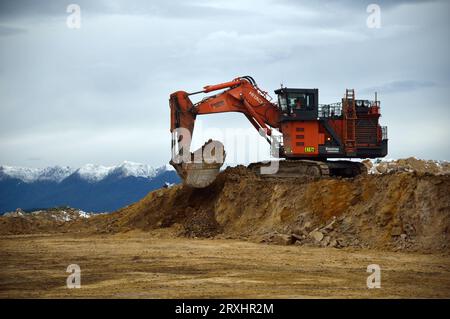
x=298 y=104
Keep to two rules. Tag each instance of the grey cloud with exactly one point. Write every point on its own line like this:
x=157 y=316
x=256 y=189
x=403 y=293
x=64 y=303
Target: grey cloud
x=185 y=9
x=9 y=31
x=357 y=4
x=29 y=7
x=169 y=9
x=100 y=93
x=400 y=86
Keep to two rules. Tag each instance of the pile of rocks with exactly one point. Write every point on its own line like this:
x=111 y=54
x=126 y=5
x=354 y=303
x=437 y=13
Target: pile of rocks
x=410 y=165
x=340 y=232
x=337 y=233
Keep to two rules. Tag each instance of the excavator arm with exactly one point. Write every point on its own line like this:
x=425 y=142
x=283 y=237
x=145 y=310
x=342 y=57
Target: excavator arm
x=240 y=95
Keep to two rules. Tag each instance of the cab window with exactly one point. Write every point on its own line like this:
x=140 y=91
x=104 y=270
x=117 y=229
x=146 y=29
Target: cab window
x=300 y=101
x=282 y=102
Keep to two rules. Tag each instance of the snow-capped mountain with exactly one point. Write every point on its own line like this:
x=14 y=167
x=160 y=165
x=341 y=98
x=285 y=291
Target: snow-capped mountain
x=91 y=187
x=93 y=172
x=29 y=175
x=55 y=173
x=88 y=172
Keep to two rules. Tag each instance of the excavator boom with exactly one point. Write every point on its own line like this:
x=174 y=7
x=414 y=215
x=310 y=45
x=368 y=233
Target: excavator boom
x=240 y=95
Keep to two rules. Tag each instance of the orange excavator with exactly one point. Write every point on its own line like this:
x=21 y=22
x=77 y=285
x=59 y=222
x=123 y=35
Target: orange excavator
x=310 y=133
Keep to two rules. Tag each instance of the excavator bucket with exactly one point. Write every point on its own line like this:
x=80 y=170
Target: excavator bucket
x=197 y=175
x=202 y=170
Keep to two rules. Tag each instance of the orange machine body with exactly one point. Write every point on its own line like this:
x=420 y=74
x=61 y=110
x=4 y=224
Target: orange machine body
x=302 y=138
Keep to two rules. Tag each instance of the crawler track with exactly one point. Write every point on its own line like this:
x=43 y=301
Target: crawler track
x=311 y=169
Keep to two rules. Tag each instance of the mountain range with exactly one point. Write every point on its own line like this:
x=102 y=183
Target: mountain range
x=92 y=188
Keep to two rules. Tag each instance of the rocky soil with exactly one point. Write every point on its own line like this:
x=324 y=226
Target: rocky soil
x=402 y=205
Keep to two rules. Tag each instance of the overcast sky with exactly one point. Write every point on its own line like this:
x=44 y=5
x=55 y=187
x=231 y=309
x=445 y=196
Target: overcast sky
x=99 y=94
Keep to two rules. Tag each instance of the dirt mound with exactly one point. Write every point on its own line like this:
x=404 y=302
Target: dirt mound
x=399 y=211
x=396 y=211
x=51 y=220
